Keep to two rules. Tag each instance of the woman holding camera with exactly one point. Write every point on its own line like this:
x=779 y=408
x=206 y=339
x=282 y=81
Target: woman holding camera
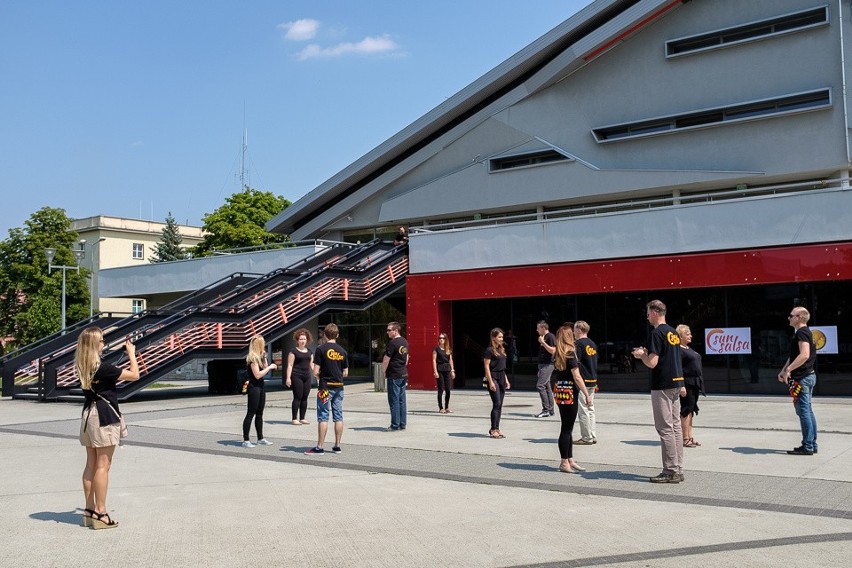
x=101 y=424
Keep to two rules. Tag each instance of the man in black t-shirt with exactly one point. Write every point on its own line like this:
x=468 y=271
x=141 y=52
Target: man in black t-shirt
x=663 y=358
x=546 y=349
x=587 y=357
x=798 y=372
x=331 y=366
x=395 y=367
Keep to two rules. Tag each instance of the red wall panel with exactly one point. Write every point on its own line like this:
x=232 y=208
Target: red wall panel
x=429 y=297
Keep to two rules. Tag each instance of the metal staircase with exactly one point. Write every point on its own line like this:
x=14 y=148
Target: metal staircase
x=216 y=321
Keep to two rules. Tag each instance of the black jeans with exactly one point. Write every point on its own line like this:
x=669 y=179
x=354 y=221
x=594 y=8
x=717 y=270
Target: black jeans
x=445 y=385
x=301 y=392
x=256 y=404
x=497 y=398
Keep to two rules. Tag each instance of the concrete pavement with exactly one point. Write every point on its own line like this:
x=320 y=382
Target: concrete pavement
x=439 y=493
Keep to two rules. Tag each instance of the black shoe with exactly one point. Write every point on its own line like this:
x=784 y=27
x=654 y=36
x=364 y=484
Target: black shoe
x=800 y=451
x=816 y=450
x=665 y=478
x=391 y=429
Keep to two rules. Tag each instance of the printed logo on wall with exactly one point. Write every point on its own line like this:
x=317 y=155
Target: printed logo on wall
x=727 y=340
x=825 y=339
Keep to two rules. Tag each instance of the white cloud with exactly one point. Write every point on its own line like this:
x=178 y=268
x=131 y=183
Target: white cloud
x=367 y=46
x=300 y=30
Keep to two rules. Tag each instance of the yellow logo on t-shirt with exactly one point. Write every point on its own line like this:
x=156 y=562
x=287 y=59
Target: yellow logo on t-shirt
x=403 y=350
x=591 y=351
x=673 y=338
x=334 y=355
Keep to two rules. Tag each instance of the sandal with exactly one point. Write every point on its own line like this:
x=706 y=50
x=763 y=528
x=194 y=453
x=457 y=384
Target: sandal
x=690 y=443
x=98 y=521
x=495 y=434
x=87 y=517
x=448 y=411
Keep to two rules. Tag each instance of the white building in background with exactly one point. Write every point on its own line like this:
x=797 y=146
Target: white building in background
x=112 y=242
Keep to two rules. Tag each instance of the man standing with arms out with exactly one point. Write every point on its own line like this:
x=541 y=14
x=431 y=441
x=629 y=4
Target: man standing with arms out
x=662 y=356
x=587 y=357
x=331 y=365
x=546 y=349
x=798 y=373
x=395 y=367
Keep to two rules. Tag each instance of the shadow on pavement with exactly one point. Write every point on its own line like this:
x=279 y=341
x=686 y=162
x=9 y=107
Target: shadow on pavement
x=528 y=466
x=641 y=442
x=467 y=435
x=237 y=443
x=614 y=475
x=64 y=517
x=754 y=451
x=541 y=440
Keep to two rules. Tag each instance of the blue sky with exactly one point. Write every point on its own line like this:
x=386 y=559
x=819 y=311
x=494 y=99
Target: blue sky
x=136 y=108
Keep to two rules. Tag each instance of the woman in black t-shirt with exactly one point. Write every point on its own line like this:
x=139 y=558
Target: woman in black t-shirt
x=257 y=369
x=444 y=371
x=566 y=381
x=494 y=361
x=101 y=424
x=693 y=384
x=299 y=374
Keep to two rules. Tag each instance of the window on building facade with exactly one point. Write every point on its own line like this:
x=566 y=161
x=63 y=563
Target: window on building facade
x=138 y=251
x=524 y=160
x=753 y=31
x=137 y=306
x=788 y=104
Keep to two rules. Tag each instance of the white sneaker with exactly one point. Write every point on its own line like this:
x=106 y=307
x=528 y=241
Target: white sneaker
x=264 y=442
x=248 y=444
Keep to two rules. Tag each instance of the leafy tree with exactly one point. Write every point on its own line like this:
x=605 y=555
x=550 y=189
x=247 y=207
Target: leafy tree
x=29 y=296
x=241 y=221
x=169 y=246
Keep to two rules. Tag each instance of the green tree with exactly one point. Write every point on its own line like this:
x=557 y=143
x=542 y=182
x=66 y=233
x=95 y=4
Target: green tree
x=29 y=296
x=169 y=246
x=241 y=222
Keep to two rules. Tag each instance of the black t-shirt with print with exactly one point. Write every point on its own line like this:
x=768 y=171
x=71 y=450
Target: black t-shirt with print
x=332 y=360
x=802 y=334
x=587 y=355
x=668 y=373
x=397 y=352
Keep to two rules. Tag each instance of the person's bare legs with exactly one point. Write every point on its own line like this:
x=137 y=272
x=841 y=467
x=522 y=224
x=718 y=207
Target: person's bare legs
x=322 y=429
x=338 y=432
x=100 y=479
x=687 y=427
x=88 y=477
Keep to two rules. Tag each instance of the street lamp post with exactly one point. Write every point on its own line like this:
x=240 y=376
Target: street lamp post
x=78 y=256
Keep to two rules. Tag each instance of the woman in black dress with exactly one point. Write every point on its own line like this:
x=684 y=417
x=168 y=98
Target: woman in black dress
x=444 y=371
x=299 y=374
x=566 y=382
x=693 y=385
x=101 y=424
x=494 y=360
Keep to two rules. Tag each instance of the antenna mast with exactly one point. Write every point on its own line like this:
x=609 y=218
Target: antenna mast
x=244 y=149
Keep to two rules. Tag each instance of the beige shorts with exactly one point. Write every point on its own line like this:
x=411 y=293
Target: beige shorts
x=93 y=435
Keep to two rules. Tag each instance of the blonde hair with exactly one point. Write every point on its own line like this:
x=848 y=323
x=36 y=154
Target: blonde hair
x=497 y=347
x=681 y=329
x=564 y=347
x=257 y=351
x=582 y=326
x=87 y=358
x=804 y=315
